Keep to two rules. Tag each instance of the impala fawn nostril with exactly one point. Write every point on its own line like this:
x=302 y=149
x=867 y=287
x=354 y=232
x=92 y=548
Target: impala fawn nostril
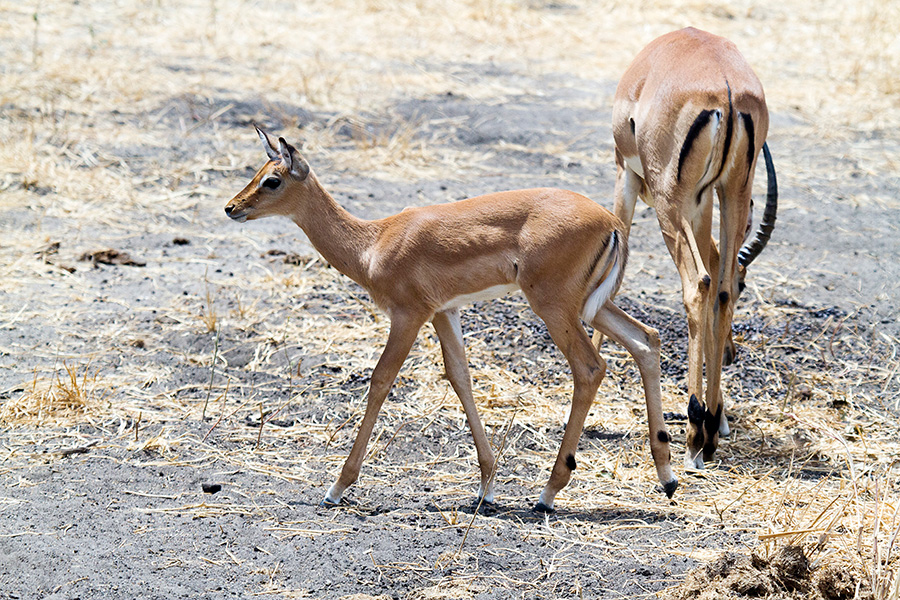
x=228 y=209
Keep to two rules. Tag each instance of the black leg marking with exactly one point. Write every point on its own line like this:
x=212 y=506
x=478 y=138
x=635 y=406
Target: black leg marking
x=696 y=417
x=632 y=125
x=706 y=281
x=711 y=424
x=663 y=436
x=711 y=421
x=696 y=411
x=570 y=462
x=723 y=297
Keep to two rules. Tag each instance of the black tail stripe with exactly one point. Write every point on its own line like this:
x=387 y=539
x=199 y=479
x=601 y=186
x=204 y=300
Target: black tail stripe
x=599 y=255
x=696 y=127
x=751 y=143
x=729 y=131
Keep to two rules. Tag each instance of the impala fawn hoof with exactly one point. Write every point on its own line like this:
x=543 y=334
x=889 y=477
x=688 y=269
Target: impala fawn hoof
x=483 y=502
x=670 y=487
x=485 y=494
x=542 y=508
x=333 y=497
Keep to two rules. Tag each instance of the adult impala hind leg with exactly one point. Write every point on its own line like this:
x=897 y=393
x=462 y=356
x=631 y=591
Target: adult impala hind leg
x=404 y=328
x=702 y=229
x=629 y=186
x=729 y=349
x=449 y=331
x=642 y=343
x=588 y=370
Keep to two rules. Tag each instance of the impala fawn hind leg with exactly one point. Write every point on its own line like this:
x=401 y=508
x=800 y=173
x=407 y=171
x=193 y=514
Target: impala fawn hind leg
x=588 y=370
x=642 y=343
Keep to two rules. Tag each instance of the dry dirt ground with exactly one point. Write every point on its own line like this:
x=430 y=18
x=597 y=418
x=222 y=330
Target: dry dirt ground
x=177 y=390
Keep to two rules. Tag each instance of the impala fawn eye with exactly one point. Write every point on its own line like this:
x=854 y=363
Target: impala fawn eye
x=271 y=182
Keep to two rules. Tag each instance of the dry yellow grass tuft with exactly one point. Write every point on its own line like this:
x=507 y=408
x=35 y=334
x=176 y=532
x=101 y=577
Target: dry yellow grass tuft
x=69 y=397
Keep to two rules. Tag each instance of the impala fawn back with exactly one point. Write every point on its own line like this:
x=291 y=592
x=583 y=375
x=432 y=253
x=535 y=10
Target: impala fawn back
x=565 y=253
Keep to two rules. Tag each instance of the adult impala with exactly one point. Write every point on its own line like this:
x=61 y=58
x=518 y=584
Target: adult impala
x=565 y=253
x=689 y=117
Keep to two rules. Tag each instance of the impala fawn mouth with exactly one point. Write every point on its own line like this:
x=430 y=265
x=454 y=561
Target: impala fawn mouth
x=240 y=216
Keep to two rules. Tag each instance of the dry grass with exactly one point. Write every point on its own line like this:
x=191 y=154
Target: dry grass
x=97 y=151
x=72 y=395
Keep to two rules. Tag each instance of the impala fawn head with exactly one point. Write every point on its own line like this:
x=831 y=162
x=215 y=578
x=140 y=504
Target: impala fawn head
x=273 y=190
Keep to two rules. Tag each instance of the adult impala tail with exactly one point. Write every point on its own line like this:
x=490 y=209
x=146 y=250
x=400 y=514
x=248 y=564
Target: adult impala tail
x=689 y=118
x=565 y=253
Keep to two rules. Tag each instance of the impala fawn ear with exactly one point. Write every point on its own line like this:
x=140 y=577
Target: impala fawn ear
x=268 y=144
x=295 y=163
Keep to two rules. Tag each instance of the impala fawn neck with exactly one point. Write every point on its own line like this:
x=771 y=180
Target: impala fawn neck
x=341 y=238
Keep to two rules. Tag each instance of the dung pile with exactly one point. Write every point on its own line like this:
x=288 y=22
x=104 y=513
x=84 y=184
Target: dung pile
x=785 y=576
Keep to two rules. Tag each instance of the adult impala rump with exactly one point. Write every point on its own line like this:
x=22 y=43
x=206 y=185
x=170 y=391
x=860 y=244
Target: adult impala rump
x=565 y=253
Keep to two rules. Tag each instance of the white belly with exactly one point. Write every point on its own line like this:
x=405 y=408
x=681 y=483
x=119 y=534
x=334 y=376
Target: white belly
x=490 y=293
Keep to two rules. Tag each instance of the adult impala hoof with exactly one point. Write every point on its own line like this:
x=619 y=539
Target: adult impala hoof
x=542 y=508
x=326 y=503
x=693 y=462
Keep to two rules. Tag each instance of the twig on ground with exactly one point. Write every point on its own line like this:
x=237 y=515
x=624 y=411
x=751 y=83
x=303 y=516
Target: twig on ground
x=78 y=449
x=212 y=373
x=490 y=480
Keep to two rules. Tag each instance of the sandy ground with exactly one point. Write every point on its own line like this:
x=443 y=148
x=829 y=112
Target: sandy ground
x=170 y=421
